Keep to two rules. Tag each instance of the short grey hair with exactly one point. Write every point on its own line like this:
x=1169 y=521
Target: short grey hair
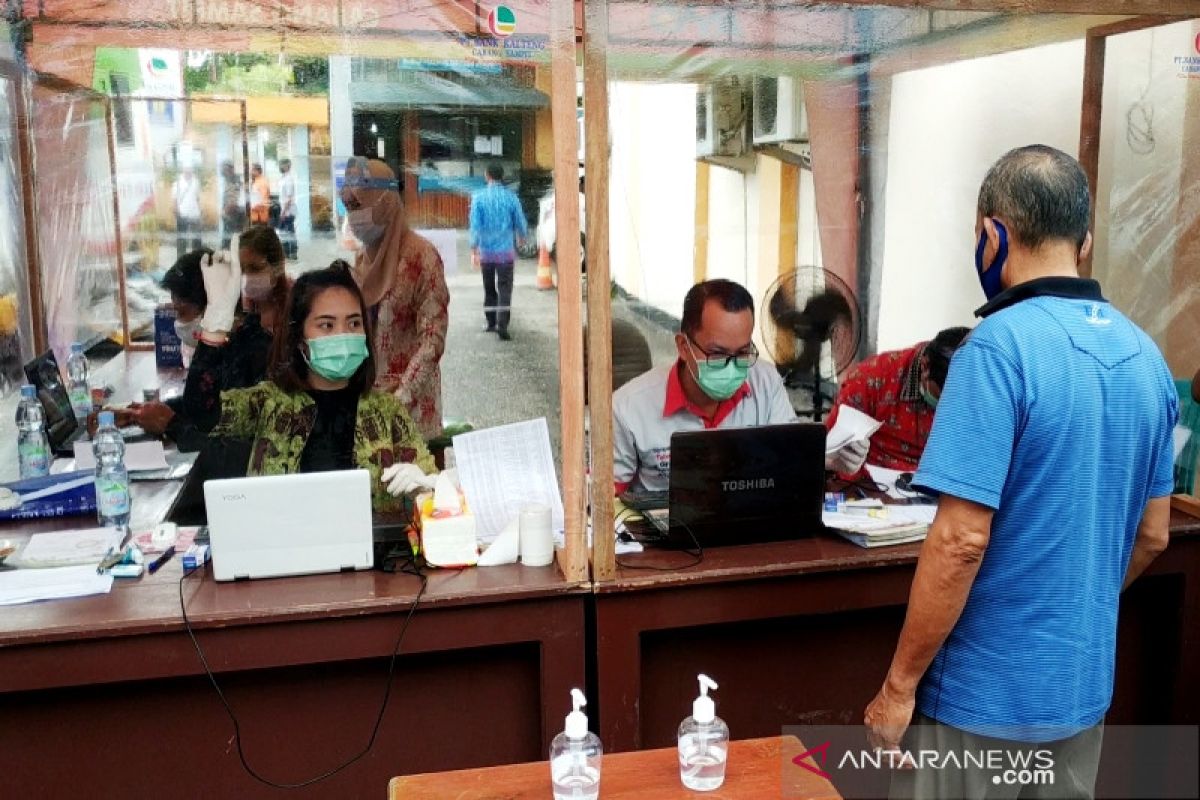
x=1041 y=193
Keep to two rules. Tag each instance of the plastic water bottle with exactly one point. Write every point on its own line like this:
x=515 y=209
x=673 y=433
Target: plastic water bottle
x=112 y=479
x=33 y=448
x=77 y=382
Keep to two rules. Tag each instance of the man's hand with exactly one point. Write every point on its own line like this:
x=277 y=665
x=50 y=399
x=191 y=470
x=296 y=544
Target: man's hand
x=153 y=418
x=888 y=717
x=849 y=459
x=475 y=260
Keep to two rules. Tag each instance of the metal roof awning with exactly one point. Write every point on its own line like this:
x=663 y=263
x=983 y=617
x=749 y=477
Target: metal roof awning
x=423 y=90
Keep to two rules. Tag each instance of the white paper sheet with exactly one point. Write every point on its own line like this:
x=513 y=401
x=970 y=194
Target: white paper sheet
x=138 y=456
x=504 y=469
x=887 y=477
x=852 y=425
x=30 y=585
x=66 y=548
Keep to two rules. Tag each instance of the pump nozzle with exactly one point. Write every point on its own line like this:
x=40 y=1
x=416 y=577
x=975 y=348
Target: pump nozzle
x=703 y=708
x=577 y=725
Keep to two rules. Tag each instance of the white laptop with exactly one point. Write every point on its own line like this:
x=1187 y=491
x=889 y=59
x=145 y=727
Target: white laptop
x=289 y=524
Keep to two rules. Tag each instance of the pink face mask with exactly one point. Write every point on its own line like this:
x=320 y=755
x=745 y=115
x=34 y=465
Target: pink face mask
x=257 y=287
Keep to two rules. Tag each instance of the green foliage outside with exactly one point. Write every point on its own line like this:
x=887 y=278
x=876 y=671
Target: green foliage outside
x=255 y=74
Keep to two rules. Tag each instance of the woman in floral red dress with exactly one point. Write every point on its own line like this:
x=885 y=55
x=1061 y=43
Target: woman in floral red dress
x=404 y=283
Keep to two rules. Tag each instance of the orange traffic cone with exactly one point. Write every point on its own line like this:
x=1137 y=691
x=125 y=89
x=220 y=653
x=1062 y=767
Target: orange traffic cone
x=544 y=278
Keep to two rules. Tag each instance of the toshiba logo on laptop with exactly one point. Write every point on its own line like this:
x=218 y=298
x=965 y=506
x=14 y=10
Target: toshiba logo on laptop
x=228 y=498
x=752 y=483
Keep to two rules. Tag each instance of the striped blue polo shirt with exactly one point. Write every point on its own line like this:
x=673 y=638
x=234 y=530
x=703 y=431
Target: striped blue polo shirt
x=1058 y=413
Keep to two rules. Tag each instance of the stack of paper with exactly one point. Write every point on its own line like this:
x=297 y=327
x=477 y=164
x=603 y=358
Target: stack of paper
x=902 y=524
x=67 y=548
x=29 y=585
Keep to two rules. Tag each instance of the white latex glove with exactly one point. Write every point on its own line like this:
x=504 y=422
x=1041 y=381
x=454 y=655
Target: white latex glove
x=406 y=479
x=849 y=459
x=223 y=285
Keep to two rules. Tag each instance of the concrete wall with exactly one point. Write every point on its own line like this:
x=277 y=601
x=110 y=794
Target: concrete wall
x=946 y=127
x=652 y=191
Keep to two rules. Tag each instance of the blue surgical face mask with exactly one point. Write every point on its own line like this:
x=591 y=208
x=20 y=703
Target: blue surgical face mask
x=990 y=279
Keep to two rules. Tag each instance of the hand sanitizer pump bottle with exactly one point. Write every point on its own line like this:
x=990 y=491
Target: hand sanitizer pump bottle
x=703 y=743
x=575 y=756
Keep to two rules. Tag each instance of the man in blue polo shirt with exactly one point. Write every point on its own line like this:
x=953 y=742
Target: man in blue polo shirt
x=1051 y=450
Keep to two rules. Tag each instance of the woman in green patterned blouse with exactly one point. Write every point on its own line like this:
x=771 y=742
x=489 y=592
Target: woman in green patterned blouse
x=316 y=411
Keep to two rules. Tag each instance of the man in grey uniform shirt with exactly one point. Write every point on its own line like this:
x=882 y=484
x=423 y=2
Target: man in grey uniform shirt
x=716 y=382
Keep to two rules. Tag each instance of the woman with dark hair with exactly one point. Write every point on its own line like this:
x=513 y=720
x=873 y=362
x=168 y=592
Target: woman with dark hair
x=232 y=359
x=265 y=284
x=317 y=410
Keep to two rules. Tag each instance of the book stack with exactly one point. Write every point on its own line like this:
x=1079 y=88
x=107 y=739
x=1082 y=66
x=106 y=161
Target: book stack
x=879 y=525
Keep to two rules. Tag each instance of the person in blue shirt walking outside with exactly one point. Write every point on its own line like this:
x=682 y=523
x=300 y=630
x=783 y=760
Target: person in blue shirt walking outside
x=1051 y=451
x=497 y=227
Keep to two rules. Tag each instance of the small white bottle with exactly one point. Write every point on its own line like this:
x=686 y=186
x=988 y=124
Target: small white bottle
x=575 y=756
x=703 y=743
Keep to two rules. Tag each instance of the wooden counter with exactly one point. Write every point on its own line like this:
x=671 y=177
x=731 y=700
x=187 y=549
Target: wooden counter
x=303 y=661
x=756 y=770
x=108 y=693
x=802 y=632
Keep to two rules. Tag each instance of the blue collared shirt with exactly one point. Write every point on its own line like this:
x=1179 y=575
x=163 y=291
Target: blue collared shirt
x=496 y=222
x=1058 y=413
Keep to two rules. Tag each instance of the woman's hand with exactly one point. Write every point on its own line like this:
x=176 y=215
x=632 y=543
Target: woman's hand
x=122 y=417
x=153 y=418
x=223 y=285
x=406 y=479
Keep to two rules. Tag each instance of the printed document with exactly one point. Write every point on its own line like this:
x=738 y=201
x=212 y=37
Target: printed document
x=502 y=470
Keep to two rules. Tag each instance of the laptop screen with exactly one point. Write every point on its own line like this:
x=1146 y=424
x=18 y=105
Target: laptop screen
x=748 y=484
x=44 y=374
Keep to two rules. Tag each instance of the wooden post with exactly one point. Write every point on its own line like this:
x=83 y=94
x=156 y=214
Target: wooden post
x=573 y=558
x=700 y=237
x=1089 y=124
x=22 y=100
x=599 y=331
x=110 y=136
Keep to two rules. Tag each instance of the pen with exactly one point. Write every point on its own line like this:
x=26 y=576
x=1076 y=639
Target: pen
x=164 y=558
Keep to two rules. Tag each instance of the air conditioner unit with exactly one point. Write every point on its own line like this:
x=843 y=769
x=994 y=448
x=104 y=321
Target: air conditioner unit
x=723 y=119
x=779 y=114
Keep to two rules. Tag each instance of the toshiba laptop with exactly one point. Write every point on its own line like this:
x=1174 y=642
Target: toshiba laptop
x=745 y=485
x=290 y=524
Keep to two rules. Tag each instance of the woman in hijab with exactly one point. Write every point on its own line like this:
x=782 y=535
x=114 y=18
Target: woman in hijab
x=404 y=284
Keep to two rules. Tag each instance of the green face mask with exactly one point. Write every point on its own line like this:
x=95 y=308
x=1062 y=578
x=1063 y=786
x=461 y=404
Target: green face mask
x=719 y=383
x=336 y=358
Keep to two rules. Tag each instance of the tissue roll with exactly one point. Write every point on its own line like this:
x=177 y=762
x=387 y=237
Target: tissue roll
x=537 y=536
